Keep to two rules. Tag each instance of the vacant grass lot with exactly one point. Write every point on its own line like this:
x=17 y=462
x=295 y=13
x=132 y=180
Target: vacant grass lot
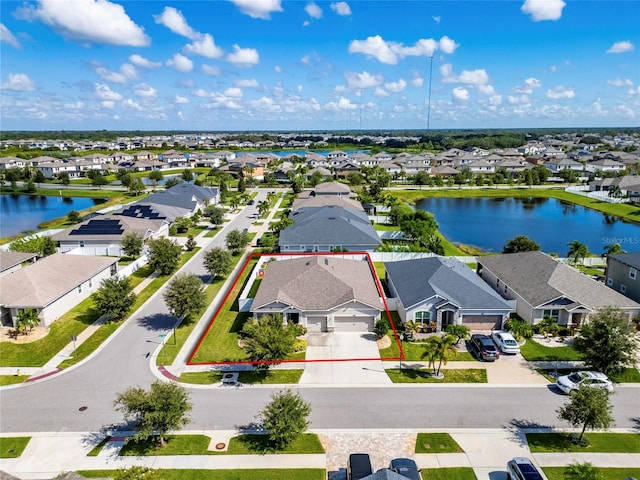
x=12 y=447
x=533 y=351
x=469 y=375
x=263 y=474
x=599 y=442
x=437 y=443
x=557 y=473
x=268 y=377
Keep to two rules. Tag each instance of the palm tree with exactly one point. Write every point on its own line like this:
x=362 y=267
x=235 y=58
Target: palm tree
x=615 y=192
x=612 y=249
x=263 y=207
x=582 y=471
x=440 y=349
x=577 y=251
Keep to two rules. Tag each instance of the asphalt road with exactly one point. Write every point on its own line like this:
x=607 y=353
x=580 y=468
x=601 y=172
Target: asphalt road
x=54 y=404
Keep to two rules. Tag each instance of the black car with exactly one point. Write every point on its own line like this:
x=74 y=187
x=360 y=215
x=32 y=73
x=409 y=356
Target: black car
x=359 y=466
x=484 y=348
x=405 y=467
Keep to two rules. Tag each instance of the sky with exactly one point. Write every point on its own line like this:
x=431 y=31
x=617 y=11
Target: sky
x=276 y=65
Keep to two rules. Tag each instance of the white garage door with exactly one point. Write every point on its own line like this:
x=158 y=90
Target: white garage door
x=316 y=324
x=353 y=324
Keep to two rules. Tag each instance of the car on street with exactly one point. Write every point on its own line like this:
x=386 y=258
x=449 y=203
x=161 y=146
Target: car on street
x=358 y=466
x=405 y=467
x=483 y=347
x=251 y=202
x=521 y=468
x=505 y=342
x=573 y=381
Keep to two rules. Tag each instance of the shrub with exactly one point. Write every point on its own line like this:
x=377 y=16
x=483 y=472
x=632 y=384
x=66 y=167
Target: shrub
x=381 y=328
x=520 y=329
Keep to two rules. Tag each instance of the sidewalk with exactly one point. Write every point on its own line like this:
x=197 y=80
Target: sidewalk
x=485 y=450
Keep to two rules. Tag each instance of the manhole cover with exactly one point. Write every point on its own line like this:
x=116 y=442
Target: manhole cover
x=83 y=408
x=220 y=446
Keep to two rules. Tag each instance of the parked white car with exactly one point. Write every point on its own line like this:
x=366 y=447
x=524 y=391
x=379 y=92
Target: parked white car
x=505 y=342
x=573 y=381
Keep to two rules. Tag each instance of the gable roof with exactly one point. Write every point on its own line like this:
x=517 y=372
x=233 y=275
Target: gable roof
x=183 y=195
x=308 y=199
x=11 y=259
x=109 y=228
x=539 y=279
x=422 y=278
x=385 y=474
x=43 y=282
x=329 y=225
x=632 y=259
x=317 y=283
x=332 y=188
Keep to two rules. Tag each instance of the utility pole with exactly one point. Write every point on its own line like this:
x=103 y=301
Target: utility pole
x=429 y=105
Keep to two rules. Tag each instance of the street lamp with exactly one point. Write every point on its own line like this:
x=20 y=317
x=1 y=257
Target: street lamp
x=401 y=340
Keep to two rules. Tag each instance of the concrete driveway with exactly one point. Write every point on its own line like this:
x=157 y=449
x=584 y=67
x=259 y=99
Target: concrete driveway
x=334 y=353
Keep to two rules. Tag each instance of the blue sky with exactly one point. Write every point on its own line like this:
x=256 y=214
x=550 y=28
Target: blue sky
x=300 y=65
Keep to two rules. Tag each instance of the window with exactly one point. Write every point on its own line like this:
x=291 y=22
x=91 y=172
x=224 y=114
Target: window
x=497 y=283
x=505 y=289
x=632 y=273
x=422 y=316
x=90 y=282
x=114 y=269
x=80 y=288
x=609 y=281
x=552 y=314
x=623 y=289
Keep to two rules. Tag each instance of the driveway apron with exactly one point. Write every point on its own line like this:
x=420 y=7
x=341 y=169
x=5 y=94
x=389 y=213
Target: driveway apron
x=343 y=358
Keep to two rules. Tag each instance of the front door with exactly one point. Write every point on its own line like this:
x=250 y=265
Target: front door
x=448 y=318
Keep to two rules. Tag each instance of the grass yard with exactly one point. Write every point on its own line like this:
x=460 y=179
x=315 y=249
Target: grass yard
x=599 y=442
x=237 y=474
x=308 y=443
x=533 y=351
x=468 y=375
x=557 y=473
x=12 y=379
x=12 y=447
x=95 y=451
x=629 y=375
x=213 y=231
x=437 y=443
x=269 y=377
x=455 y=473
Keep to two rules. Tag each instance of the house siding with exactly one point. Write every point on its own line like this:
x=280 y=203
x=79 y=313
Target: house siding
x=618 y=275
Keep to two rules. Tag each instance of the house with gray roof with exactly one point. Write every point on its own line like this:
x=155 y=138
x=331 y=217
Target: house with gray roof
x=321 y=293
x=444 y=291
x=52 y=286
x=12 y=261
x=622 y=274
x=328 y=228
x=543 y=286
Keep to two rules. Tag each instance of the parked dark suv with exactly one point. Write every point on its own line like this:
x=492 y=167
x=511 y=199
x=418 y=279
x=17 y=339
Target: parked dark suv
x=359 y=466
x=484 y=347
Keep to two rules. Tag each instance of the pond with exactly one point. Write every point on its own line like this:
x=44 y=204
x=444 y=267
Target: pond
x=26 y=212
x=488 y=223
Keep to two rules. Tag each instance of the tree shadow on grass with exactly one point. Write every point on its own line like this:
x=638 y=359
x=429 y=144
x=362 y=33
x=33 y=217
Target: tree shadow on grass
x=158 y=321
x=516 y=427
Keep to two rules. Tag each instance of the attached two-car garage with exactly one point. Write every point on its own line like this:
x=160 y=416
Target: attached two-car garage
x=353 y=324
x=482 y=322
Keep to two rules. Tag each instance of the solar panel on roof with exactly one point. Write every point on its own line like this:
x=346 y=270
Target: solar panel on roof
x=99 y=227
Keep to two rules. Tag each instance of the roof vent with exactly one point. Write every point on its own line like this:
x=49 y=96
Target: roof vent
x=326 y=261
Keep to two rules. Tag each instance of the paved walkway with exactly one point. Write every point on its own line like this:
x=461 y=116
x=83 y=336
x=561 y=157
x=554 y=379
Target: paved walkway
x=485 y=450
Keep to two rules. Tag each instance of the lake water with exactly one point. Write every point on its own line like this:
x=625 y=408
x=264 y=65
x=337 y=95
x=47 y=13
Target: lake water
x=489 y=222
x=25 y=212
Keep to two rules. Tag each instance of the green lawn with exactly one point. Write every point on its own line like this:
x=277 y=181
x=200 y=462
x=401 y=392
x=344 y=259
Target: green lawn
x=12 y=447
x=236 y=474
x=455 y=473
x=269 y=377
x=533 y=351
x=557 y=473
x=413 y=352
x=599 y=442
x=212 y=232
x=469 y=375
x=95 y=451
x=437 y=443
x=629 y=375
x=12 y=379
x=308 y=443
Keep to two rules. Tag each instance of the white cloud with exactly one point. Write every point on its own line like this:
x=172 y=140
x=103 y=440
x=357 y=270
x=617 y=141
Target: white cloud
x=258 y=8
x=518 y=100
x=560 y=92
x=306 y=60
x=173 y=19
x=180 y=63
x=621 y=47
x=129 y=104
x=127 y=72
x=339 y=89
x=417 y=81
x=461 y=94
x=375 y=47
x=210 y=69
x=341 y=8
x=486 y=89
x=618 y=82
x=88 y=21
x=205 y=46
x=625 y=110
x=380 y=92
x=247 y=83
x=201 y=93
x=103 y=92
x=396 y=87
x=530 y=84
x=139 y=61
x=541 y=10
x=306 y=23
x=146 y=91
x=110 y=105
x=243 y=57
x=7 y=37
x=634 y=91
x=313 y=10
x=180 y=100
x=18 y=82
x=468 y=77
x=447 y=45
x=277 y=69
x=233 y=92
x=362 y=80
x=495 y=100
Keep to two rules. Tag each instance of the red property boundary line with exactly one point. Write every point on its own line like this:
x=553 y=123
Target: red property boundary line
x=311 y=254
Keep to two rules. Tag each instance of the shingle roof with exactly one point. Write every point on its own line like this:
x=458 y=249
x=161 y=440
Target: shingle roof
x=329 y=225
x=183 y=195
x=328 y=188
x=385 y=474
x=83 y=231
x=418 y=279
x=39 y=284
x=539 y=279
x=324 y=200
x=632 y=259
x=317 y=283
x=11 y=259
